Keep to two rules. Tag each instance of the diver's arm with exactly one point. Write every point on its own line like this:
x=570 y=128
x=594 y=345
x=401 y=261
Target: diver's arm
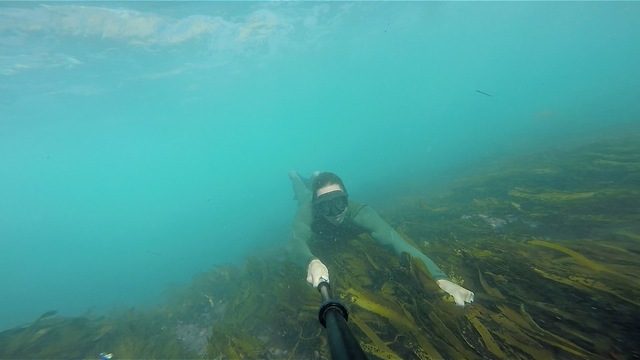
x=301 y=232
x=298 y=248
x=383 y=233
x=301 y=191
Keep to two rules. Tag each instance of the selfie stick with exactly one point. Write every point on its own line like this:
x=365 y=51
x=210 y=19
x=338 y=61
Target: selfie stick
x=333 y=316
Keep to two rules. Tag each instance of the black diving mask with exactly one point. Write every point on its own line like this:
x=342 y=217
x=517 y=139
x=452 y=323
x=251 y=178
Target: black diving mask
x=331 y=204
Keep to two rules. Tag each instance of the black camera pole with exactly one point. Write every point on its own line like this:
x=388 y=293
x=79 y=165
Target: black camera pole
x=333 y=316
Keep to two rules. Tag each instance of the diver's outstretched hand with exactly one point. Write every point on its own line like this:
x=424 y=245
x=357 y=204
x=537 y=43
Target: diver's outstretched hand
x=460 y=294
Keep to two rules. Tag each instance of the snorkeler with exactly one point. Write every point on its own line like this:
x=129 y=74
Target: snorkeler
x=325 y=210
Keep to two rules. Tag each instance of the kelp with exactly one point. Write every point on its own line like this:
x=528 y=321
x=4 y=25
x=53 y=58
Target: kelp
x=549 y=243
x=490 y=343
x=377 y=347
x=491 y=291
x=381 y=307
x=579 y=258
x=547 y=195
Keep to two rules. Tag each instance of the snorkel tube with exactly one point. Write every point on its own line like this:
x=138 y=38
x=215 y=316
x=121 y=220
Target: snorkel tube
x=333 y=316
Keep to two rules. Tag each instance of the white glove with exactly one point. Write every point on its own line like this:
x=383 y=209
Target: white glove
x=460 y=294
x=317 y=272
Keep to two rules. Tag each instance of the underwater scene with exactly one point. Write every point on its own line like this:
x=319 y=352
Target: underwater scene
x=549 y=243
x=146 y=211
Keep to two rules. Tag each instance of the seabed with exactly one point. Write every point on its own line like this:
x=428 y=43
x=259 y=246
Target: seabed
x=549 y=243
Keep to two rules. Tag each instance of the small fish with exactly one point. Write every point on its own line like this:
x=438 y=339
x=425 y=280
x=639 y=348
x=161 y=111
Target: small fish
x=484 y=93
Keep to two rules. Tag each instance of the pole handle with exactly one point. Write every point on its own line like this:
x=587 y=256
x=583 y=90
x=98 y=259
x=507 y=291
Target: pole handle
x=329 y=305
x=333 y=316
x=325 y=290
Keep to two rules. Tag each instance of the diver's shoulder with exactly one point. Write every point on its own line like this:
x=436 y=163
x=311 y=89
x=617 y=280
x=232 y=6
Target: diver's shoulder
x=357 y=207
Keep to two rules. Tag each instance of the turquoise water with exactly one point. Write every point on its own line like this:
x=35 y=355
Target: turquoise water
x=143 y=142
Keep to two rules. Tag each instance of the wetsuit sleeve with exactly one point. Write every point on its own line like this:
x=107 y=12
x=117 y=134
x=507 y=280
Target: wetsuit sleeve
x=383 y=233
x=298 y=249
x=301 y=191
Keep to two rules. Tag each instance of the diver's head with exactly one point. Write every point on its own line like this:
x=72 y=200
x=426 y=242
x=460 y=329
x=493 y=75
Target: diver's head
x=330 y=198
